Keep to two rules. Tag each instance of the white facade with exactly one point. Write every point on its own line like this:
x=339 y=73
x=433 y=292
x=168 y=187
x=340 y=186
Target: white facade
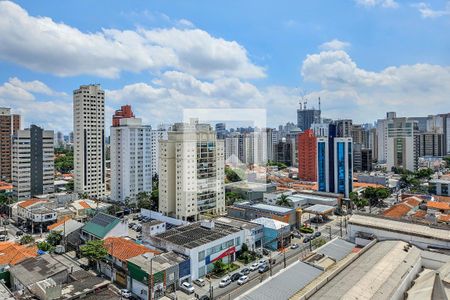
x=156 y=136
x=32 y=163
x=89 y=139
x=131 y=159
x=192 y=172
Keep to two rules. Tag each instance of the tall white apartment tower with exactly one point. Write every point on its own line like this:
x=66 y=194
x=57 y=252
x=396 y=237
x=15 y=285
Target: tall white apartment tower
x=192 y=172
x=131 y=159
x=32 y=163
x=89 y=140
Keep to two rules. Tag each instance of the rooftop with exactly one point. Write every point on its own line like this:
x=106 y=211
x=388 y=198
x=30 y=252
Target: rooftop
x=319 y=209
x=272 y=208
x=123 y=249
x=30 y=202
x=438 y=205
x=302 y=197
x=12 y=253
x=400 y=227
x=403 y=208
x=66 y=226
x=270 y=223
x=237 y=223
x=160 y=262
x=101 y=224
x=195 y=235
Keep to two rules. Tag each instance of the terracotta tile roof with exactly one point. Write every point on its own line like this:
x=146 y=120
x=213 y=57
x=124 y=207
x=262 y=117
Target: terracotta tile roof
x=442 y=198
x=4 y=186
x=60 y=222
x=420 y=214
x=364 y=184
x=84 y=204
x=26 y=203
x=438 y=205
x=12 y=253
x=444 y=218
x=401 y=209
x=124 y=249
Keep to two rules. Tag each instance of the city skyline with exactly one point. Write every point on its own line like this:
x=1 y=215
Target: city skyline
x=162 y=58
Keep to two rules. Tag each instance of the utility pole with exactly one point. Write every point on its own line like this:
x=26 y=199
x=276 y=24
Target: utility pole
x=329 y=230
x=150 y=279
x=340 y=225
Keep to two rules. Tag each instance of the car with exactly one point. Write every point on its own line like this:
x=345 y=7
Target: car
x=272 y=261
x=125 y=293
x=204 y=297
x=126 y=211
x=294 y=246
x=187 y=287
x=263 y=261
x=242 y=280
x=139 y=229
x=244 y=271
x=263 y=268
x=134 y=226
x=254 y=266
x=306 y=240
x=235 y=277
x=200 y=282
x=131 y=224
x=317 y=234
x=84 y=267
x=3 y=238
x=19 y=233
x=225 y=281
x=135 y=218
x=139 y=237
x=266 y=252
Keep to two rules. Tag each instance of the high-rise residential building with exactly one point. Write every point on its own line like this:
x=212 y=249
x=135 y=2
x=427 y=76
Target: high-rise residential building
x=131 y=158
x=307 y=151
x=335 y=163
x=344 y=128
x=306 y=117
x=9 y=124
x=33 y=163
x=89 y=140
x=446 y=131
x=192 y=172
x=124 y=112
x=221 y=130
x=157 y=135
x=59 y=139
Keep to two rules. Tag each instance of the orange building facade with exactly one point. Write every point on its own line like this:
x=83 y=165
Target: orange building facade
x=122 y=113
x=307 y=151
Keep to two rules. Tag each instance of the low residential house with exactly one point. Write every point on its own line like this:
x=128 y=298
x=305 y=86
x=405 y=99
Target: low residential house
x=35 y=214
x=438 y=207
x=70 y=231
x=168 y=270
x=120 y=250
x=277 y=234
x=102 y=226
x=153 y=227
x=85 y=208
x=12 y=253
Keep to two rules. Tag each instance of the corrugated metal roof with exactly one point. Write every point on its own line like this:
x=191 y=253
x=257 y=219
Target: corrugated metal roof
x=100 y=225
x=285 y=284
x=336 y=249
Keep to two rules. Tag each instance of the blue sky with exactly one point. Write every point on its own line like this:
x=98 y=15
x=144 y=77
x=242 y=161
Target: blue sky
x=362 y=57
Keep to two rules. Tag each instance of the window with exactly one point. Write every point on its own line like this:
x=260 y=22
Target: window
x=201 y=255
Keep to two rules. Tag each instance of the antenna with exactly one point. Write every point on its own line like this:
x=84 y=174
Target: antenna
x=319 y=103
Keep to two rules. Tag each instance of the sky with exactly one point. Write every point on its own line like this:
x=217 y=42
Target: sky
x=361 y=57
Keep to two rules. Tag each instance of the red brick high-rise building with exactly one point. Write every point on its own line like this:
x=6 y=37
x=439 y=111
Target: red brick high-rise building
x=307 y=149
x=122 y=113
x=9 y=124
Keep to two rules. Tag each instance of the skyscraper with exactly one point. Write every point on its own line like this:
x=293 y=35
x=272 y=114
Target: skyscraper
x=131 y=165
x=192 y=171
x=335 y=163
x=89 y=140
x=33 y=163
x=307 y=151
x=306 y=117
x=9 y=124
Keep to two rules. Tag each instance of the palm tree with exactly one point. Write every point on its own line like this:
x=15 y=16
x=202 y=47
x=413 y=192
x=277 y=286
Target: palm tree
x=284 y=201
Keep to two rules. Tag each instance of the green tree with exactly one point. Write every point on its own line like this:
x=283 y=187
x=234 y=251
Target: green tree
x=244 y=247
x=27 y=239
x=447 y=161
x=113 y=209
x=318 y=242
x=231 y=175
x=283 y=201
x=375 y=196
x=94 y=251
x=424 y=173
x=64 y=161
x=219 y=266
x=70 y=185
x=231 y=197
x=54 y=238
x=45 y=246
x=144 y=200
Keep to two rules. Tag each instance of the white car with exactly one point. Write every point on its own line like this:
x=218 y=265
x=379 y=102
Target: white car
x=125 y=293
x=242 y=280
x=187 y=287
x=254 y=266
x=262 y=262
x=225 y=281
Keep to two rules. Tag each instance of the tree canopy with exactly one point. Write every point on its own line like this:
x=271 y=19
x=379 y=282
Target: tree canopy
x=94 y=250
x=283 y=201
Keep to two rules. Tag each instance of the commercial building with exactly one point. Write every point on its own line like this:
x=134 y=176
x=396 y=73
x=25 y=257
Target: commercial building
x=131 y=159
x=362 y=158
x=253 y=232
x=9 y=124
x=33 y=163
x=250 y=191
x=89 y=140
x=439 y=187
x=248 y=211
x=306 y=117
x=204 y=243
x=277 y=234
x=335 y=164
x=301 y=200
x=344 y=128
x=192 y=172
x=307 y=151
x=283 y=152
x=430 y=144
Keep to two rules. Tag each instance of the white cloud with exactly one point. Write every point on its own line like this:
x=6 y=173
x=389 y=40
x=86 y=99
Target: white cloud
x=382 y=3
x=54 y=111
x=427 y=12
x=41 y=44
x=350 y=91
x=334 y=44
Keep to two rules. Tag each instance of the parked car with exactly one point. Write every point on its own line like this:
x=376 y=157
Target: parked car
x=272 y=261
x=126 y=211
x=3 y=238
x=262 y=262
x=84 y=267
x=254 y=266
x=317 y=234
x=139 y=228
x=225 y=281
x=204 y=297
x=294 y=246
x=235 y=277
x=135 y=217
x=264 y=268
x=139 y=237
x=244 y=271
x=200 y=282
x=306 y=240
x=131 y=224
x=19 y=233
x=125 y=293
x=242 y=280
x=266 y=252
x=187 y=287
